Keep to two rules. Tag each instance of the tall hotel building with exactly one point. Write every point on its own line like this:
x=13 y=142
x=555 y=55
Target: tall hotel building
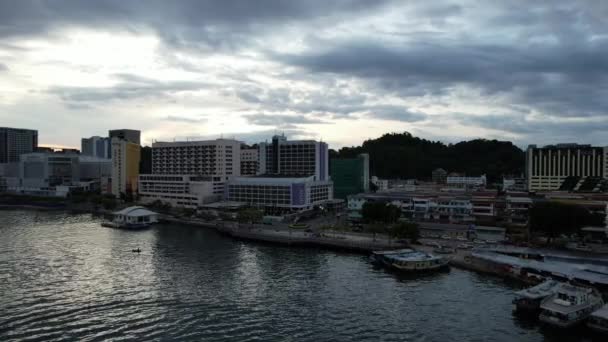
x=190 y=173
x=220 y=157
x=565 y=167
x=16 y=141
x=299 y=158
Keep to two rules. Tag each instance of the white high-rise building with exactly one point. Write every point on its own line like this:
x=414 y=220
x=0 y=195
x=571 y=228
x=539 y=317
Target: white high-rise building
x=220 y=157
x=294 y=158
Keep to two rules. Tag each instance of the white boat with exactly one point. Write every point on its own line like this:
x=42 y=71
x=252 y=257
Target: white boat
x=598 y=320
x=529 y=300
x=569 y=306
x=409 y=260
x=132 y=218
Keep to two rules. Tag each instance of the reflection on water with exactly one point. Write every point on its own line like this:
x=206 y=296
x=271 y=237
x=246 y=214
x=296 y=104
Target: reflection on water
x=64 y=277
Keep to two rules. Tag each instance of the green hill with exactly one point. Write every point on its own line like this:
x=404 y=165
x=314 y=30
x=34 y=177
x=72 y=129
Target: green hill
x=401 y=155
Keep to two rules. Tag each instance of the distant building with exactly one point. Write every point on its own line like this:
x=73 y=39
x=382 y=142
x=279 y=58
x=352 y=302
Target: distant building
x=220 y=157
x=95 y=146
x=249 y=161
x=294 y=158
x=279 y=195
x=131 y=135
x=567 y=167
x=93 y=168
x=381 y=184
x=466 y=182
x=43 y=174
x=514 y=184
x=439 y=176
x=16 y=141
x=125 y=166
x=350 y=175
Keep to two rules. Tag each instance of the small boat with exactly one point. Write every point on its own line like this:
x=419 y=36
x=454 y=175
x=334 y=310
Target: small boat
x=598 y=320
x=409 y=260
x=570 y=305
x=132 y=218
x=529 y=300
x=136 y=250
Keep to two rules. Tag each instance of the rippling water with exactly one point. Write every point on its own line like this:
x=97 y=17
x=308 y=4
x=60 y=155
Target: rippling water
x=64 y=277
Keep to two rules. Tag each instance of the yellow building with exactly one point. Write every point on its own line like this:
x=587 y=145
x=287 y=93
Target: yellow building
x=125 y=166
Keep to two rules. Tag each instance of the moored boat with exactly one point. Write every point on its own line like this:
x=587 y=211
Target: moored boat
x=598 y=320
x=570 y=305
x=409 y=260
x=529 y=300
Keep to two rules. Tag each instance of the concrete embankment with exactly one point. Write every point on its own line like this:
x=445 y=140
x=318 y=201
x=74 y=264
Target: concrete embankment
x=359 y=243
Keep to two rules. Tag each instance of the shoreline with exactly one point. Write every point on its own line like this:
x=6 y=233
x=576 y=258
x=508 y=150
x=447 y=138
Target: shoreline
x=359 y=244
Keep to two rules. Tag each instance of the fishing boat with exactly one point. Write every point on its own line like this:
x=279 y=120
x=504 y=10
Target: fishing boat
x=598 y=320
x=132 y=218
x=529 y=300
x=570 y=305
x=409 y=260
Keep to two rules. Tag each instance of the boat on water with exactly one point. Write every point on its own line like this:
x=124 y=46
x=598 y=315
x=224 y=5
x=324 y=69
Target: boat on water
x=598 y=320
x=409 y=260
x=132 y=218
x=570 y=305
x=529 y=300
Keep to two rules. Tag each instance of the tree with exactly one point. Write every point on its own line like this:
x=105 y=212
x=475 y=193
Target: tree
x=380 y=215
x=555 y=218
x=406 y=230
x=109 y=203
x=249 y=215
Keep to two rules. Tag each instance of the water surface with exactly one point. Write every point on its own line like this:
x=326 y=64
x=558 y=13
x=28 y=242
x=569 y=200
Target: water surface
x=64 y=277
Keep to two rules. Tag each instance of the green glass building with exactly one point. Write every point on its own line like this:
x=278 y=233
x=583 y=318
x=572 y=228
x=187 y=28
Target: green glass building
x=350 y=176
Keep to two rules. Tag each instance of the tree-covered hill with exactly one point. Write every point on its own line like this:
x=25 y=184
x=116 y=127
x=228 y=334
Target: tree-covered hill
x=401 y=155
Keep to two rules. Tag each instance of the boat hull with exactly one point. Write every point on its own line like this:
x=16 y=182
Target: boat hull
x=549 y=320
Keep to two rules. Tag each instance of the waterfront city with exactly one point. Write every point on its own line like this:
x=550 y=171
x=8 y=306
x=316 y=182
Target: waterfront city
x=303 y=171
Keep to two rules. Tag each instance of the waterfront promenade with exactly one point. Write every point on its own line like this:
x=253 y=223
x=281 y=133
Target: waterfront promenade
x=282 y=234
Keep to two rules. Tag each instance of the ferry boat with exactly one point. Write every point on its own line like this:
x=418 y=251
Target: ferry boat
x=409 y=260
x=598 y=320
x=132 y=218
x=569 y=306
x=529 y=300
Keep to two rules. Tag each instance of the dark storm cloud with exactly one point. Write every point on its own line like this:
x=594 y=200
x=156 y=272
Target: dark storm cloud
x=569 y=80
x=181 y=24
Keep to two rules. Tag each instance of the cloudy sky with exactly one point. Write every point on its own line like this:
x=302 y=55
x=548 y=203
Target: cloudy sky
x=342 y=71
